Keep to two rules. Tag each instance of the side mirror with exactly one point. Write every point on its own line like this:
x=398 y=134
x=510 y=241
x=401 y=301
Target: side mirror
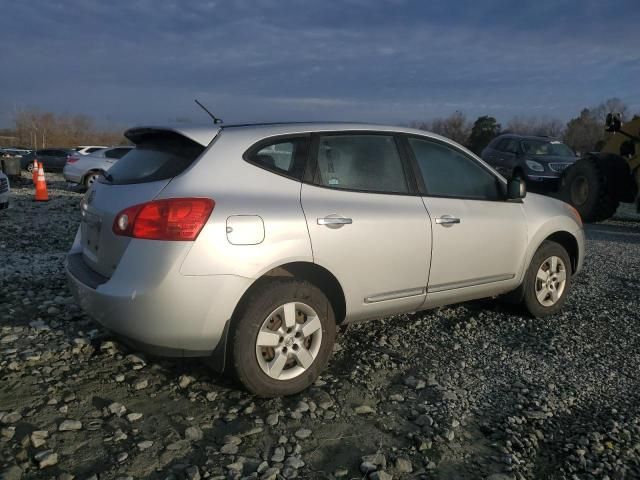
x=613 y=122
x=516 y=188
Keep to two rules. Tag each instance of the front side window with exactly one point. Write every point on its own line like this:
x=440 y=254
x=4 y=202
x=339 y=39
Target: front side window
x=360 y=162
x=449 y=173
x=283 y=156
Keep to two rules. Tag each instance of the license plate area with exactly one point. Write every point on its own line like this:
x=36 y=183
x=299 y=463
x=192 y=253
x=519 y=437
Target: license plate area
x=91 y=226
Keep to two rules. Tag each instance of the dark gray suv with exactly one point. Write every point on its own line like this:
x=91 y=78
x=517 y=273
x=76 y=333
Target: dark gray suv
x=536 y=159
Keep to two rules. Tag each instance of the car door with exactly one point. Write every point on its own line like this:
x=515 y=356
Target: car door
x=479 y=238
x=367 y=223
x=61 y=159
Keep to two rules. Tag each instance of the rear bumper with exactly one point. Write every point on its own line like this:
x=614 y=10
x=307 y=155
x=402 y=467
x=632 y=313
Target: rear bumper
x=172 y=315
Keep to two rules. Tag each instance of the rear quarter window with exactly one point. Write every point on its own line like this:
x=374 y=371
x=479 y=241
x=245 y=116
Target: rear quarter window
x=157 y=156
x=285 y=155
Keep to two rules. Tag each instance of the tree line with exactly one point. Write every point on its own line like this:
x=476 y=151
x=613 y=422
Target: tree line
x=584 y=133
x=35 y=129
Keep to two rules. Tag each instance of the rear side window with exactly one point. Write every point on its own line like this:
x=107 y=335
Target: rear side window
x=285 y=156
x=360 y=162
x=92 y=149
x=157 y=156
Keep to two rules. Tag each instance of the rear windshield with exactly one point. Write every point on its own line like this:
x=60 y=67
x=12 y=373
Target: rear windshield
x=156 y=157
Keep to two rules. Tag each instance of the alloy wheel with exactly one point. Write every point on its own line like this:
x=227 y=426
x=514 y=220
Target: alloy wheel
x=288 y=341
x=550 y=281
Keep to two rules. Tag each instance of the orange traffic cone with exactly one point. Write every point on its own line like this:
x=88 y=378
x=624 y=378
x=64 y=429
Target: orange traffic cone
x=41 y=187
x=34 y=172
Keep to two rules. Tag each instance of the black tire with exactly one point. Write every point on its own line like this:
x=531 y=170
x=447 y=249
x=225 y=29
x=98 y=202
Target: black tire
x=585 y=187
x=246 y=324
x=529 y=299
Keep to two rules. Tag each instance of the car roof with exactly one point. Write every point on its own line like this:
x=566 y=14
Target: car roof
x=205 y=133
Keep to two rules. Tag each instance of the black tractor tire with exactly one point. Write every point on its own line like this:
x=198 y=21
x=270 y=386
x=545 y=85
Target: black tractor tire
x=586 y=188
x=247 y=323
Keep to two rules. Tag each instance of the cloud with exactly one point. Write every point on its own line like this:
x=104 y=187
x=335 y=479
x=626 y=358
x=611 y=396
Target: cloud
x=268 y=59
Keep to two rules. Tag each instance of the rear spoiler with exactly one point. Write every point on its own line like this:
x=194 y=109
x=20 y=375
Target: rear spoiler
x=200 y=134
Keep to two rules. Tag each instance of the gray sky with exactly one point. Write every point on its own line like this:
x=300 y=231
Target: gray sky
x=393 y=61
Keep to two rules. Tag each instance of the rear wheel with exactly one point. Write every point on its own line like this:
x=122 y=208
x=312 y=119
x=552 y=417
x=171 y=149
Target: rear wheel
x=547 y=280
x=282 y=338
x=90 y=179
x=585 y=187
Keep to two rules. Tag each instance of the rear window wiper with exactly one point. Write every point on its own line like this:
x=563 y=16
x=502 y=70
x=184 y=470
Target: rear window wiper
x=108 y=177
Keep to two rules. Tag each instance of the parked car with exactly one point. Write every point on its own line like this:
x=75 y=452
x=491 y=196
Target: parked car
x=86 y=169
x=536 y=159
x=13 y=152
x=5 y=190
x=51 y=158
x=87 y=149
x=248 y=245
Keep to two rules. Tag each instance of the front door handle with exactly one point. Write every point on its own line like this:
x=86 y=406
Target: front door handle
x=334 y=221
x=447 y=220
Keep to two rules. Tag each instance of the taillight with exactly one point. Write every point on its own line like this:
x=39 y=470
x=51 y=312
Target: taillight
x=168 y=219
x=72 y=159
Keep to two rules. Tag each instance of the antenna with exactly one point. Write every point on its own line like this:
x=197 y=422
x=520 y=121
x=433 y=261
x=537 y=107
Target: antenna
x=216 y=120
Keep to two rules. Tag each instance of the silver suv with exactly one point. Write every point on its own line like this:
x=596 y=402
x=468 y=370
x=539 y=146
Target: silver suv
x=250 y=244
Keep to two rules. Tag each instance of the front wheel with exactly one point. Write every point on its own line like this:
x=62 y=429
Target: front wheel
x=547 y=280
x=282 y=339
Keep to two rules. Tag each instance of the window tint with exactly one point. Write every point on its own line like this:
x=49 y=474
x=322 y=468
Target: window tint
x=116 y=152
x=510 y=145
x=500 y=144
x=284 y=156
x=157 y=156
x=449 y=173
x=92 y=149
x=361 y=162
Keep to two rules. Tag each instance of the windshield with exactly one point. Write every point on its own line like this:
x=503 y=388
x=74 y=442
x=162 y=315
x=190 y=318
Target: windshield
x=546 y=147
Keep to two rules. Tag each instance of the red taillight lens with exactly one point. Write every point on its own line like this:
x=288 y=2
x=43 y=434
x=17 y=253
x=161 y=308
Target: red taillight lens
x=169 y=219
x=72 y=159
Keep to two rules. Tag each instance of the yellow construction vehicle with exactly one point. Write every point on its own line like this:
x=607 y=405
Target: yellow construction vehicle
x=597 y=183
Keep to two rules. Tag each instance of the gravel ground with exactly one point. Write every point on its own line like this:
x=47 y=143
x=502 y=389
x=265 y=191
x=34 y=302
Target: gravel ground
x=471 y=391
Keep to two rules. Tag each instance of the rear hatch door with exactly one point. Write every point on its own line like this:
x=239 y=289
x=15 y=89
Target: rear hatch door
x=138 y=177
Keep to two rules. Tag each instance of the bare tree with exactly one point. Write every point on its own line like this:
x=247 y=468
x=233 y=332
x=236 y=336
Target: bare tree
x=455 y=127
x=544 y=126
x=584 y=131
x=611 y=105
x=37 y=129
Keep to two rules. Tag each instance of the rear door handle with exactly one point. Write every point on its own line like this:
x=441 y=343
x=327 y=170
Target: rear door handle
x=336 y=221
x=447 y=220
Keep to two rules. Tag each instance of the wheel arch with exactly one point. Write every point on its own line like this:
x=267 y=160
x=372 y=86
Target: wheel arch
x=307 y=271
x=569 y=243
x=89 y=172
